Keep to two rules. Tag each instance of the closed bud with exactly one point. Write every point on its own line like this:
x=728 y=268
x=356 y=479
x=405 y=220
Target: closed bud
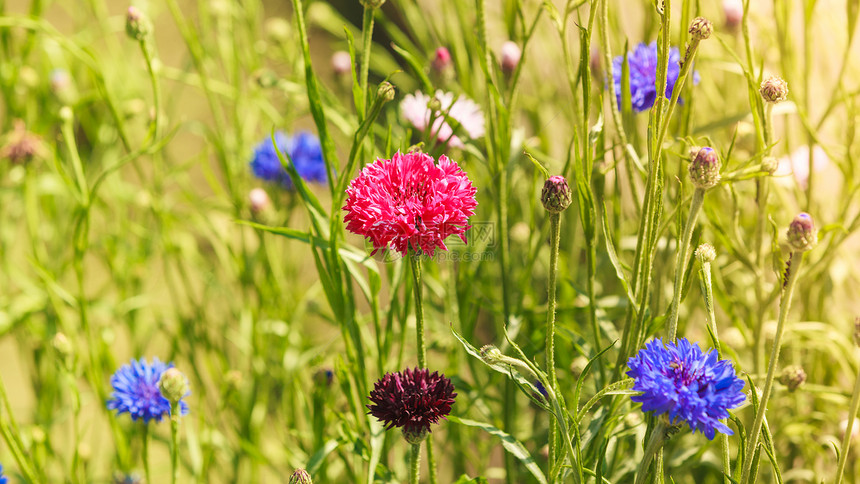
x=20 y=146
x=769 y=164
x=441 y=59
x=705 y=168
x=801 y=234
x=259 y=200
x=706 y=253
x=555 y=195
x=733 y=13
x=66 y=114
x=511 y=55
x=792 y=377
x=173 y=385
x=341 y=63
x=385 y=91
x=414 y=436
x=323 y=378
x=774 y=89
x=265 y=78
x=490 y=354
x=301 y=476
x=120 y=478
x=701 y=28
x=137 y=25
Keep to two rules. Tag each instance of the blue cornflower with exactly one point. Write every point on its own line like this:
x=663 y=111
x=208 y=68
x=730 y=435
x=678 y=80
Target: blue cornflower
x=690 y=386
x=303 y=149
x=643 y=75
x=2 y=477
x=136 y=391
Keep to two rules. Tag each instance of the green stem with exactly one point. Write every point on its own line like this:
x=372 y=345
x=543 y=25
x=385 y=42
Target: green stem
x=676 y=92
x=655 y=444
x=415 y=262
x=174 y=441
x=415 y=464
x=681 y=261
x=708 y=294
x=555 y=234
x=431 y=461
x=367 y=42
x=794 y=263
x=146 y=471
x=846 y=439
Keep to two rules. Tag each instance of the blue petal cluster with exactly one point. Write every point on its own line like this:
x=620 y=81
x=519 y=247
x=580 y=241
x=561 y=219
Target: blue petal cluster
x=2 y=477
x=136 y=391
x=303 y=149
x=690 y=386
x=642 y=64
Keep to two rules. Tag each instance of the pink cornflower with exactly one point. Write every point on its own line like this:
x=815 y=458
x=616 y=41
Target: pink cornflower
x=414 y=108
x=410 y=202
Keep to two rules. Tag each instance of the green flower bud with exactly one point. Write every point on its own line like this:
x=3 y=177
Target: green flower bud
x=301 y=476
x=705 y=253
x=173 y=385
x=801 y=234
x=705 y=168
x=769 y=164
x=414 y=437
x=137 y=25
x=701 y=28
x=385 y=91
x=774 y=89
x=792 y=377
x=555 y=195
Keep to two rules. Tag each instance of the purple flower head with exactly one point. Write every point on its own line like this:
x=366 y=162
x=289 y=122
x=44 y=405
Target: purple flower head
x=303 y=149
x=642 y=64
x=2 y=477
x=686 y=384
x=136 y=391
x=412 y=399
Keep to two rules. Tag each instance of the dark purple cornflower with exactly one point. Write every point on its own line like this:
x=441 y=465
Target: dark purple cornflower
x=3 y=479
x=303 y=149
x=642 y=64
x=412 y=400
x=686 y=384
x=136 y=391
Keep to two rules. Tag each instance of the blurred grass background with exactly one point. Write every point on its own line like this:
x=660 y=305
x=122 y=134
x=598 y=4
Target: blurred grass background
x=169 y=272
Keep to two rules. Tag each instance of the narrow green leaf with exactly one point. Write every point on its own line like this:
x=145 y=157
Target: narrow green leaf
x=512 y=445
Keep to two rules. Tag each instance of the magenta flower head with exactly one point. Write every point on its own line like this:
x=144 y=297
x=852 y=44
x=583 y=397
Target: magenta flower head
x=410 y=202
x=686 y=384
x=412 y=400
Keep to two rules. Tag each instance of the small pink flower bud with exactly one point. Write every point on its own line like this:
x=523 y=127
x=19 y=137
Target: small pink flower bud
x=301 y=476
x=442 y=60
x=701 y=28
x=341 y=63
x=556 y=194
x=137 y=25
x=259 y=200
x=801 y=233
x=511 y=55
x=733 y=11
x=774 y=89
x=705 y=168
